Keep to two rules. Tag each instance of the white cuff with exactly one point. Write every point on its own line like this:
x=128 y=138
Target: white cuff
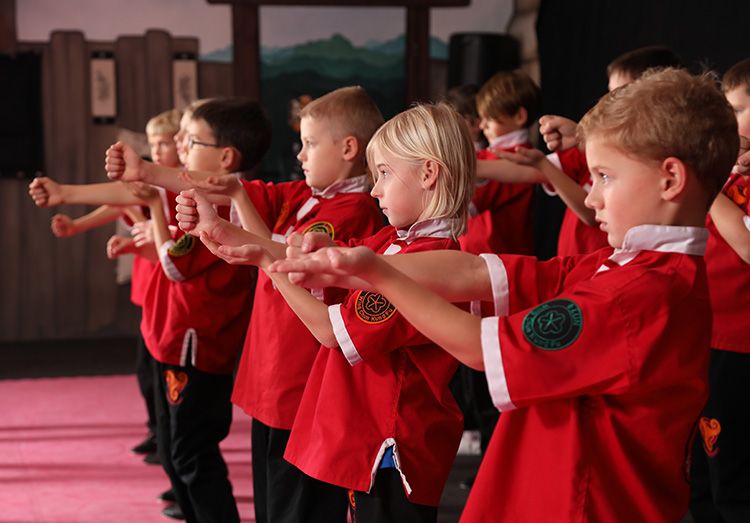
x=342 y=335
x=746 y=221
x=498 y=283
x=493 y=365
x=167 y=264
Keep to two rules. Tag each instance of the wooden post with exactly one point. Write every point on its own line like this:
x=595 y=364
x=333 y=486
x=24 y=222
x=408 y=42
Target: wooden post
x=8 y=26
x=246 y=41
x=417 y=53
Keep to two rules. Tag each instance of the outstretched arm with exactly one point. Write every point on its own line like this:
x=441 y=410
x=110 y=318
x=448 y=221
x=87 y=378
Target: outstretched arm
x=48 y=193
x=508 y=172
x=457 y=276
x=566 y=188
x=195 y=214
x=229 y=186
x=123 y=164
x=63 y=226
x=455 y=330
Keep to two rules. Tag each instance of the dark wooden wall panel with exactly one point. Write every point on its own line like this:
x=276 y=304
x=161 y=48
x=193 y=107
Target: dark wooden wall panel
x=65 y=288
x=215 y=79
x=103 y=294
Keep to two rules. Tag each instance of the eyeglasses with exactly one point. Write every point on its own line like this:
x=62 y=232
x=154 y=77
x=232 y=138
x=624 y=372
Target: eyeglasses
x=192 y=141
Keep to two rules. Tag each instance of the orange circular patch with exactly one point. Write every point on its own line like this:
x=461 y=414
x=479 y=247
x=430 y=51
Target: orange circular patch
x=372 y=307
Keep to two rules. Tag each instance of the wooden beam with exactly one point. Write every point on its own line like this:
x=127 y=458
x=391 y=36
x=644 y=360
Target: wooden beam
x=417 y=54
x=8 y=37
x=246 y=47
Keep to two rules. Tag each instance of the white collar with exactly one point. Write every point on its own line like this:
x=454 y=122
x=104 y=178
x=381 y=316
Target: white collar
x=511 y=139
x=660 y=238
x=433 y=228
x=355 y=184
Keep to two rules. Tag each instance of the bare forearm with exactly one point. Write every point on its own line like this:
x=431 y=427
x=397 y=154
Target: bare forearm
x=249 y=217
x=226 y=233
x=728 y=219
x=167 y=177
x=113 y=193
x=456 y=276
x=569 y=192
x=312 y=312
x=455 y=330
x=508 y=172
x=159 y=223
x=102 y=215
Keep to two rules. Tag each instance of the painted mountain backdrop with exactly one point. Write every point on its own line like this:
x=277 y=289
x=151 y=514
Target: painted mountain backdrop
x=317 y=67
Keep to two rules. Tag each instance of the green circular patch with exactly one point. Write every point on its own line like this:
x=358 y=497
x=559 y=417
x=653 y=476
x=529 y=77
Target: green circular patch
x=553 y=325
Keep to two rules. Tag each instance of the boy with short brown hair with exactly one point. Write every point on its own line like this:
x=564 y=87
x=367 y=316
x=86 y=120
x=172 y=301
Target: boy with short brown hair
x=501 y=219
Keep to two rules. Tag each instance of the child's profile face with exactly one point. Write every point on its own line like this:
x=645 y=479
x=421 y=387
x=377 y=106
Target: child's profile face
x=398 y=189
x=740 y=102
x=180 y=139
x=163 y=149
x=321 y=155
x=496 y=127
x=626 y=192
x=205 y=154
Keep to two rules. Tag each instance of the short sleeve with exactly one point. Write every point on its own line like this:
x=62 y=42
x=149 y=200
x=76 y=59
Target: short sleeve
x=185 y=258
x=578 y=343
x=367 y=324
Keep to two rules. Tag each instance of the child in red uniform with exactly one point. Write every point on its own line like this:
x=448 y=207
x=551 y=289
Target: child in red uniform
x=721 y=456
x=598 y=362
x=579 y=233
x=334 y=132
x=377 y=416
x=501 y=220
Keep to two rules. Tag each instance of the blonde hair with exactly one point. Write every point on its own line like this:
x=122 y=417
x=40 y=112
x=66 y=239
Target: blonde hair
x=192 y=106
x=667 y=113
x=348 y=111
x=437 y=133
x=167 y=122
x=507 y=92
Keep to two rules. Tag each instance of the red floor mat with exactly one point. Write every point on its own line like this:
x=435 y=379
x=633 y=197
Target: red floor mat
x=64 y=453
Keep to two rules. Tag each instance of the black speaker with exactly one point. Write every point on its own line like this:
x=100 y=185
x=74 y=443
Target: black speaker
x=474 y=57
x=21 y=137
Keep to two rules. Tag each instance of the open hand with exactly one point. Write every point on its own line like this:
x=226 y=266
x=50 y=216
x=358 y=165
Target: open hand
x=118 y=245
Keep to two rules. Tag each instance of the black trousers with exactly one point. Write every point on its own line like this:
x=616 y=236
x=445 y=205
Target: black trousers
x=387 y=502
x=283 y=493
x=720 y=472
x=145 y=373
x=470 y=389
x=194 y=414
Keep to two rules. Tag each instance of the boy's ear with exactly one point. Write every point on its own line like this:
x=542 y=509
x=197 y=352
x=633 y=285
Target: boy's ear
x=674 y=175
x=521 y=117
x=230 y=159
x=429 y=175
x=350 y=148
